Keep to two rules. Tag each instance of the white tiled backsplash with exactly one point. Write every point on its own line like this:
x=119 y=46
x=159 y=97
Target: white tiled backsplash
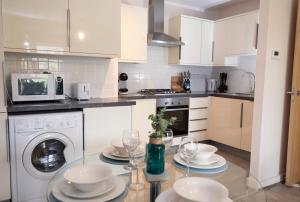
x=102 y=74
x=156 y=73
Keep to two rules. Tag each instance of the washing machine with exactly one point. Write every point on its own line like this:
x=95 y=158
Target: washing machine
x=40 y=144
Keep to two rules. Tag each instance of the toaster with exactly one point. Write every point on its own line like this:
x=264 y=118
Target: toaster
x=81 y=91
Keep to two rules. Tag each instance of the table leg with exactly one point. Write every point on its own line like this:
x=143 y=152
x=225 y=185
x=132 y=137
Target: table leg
x=155 y=188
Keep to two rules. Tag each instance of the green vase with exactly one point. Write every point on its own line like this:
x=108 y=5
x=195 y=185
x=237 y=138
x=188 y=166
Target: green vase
x=155 y=157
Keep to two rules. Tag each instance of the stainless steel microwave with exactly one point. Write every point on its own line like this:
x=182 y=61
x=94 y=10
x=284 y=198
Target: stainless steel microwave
x=37 y=87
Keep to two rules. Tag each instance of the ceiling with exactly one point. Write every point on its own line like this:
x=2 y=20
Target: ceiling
x=200 y=5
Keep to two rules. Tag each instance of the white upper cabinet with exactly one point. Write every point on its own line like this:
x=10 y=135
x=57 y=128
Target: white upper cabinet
x=207 y=38
x=95 y=27
x=220 y=43
x=197 y=34
x=134 y=28
x=35 y=25
x=235 y=36
x=72 y=27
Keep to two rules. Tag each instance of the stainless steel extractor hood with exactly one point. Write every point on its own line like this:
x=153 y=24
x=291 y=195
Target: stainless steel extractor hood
x=156 y=35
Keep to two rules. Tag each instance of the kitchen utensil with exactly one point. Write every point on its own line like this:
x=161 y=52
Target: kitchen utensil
x=170 y=196
x=113 y=194
x=131 y=141
x=188 y=148
x=220 y=162
x=69 y=190
x=205 y=151
x=89 y=177
x=201 y=189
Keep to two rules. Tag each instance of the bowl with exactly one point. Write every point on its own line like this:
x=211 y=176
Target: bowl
x=205 y=151
x=88 y=178
x=119 y=147
x=200 y=189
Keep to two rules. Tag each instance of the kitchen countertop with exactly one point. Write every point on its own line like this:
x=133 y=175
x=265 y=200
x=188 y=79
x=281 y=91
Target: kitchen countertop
x=67 y=104
x=133 y=96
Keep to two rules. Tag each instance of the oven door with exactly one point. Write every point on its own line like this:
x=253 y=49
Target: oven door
x=32 y=87
x=180 y=127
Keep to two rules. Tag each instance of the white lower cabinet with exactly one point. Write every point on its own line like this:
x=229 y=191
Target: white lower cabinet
x=4 y=160
x=140 y=113
x=198 y=114
x=102 y=125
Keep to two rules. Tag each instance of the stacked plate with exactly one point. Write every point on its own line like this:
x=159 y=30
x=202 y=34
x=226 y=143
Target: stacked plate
x=195 y=189
x=206 y=160
x=90 y=182
x=118 y=152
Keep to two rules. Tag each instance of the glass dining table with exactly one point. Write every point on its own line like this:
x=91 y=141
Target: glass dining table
x=241 y=187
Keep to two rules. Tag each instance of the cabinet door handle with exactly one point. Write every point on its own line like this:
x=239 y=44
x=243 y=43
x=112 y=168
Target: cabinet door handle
x=68 y=28
x=212 y=51
x=180 y=49
x=242 y=114
x=4 y=88
x=7 y=141
x=256 y=37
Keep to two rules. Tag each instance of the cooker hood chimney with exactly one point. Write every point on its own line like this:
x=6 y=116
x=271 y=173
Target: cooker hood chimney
x=156 y=35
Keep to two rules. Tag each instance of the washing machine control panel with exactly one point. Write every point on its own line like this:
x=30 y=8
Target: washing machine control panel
x=38 y=124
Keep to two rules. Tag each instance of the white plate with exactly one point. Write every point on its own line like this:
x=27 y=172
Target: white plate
x=203 y=162
x=117 y=154
x=107 y=153
x=221 y=162
x=200 y=189
x=114 y=193
x=170 y=196
x=69 y=190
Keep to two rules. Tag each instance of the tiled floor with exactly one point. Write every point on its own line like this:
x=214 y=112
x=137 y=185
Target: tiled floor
x=275 y=193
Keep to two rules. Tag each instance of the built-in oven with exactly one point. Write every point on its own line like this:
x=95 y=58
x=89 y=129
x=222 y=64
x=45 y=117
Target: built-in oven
x=176 y=107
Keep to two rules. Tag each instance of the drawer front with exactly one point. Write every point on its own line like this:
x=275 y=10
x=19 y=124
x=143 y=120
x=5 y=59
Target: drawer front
x=199 y=135
x=195 y=114
x=197 y=125
x=199 y=102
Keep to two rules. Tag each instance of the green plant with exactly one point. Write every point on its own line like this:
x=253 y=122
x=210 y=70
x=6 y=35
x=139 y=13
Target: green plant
x=160 y=124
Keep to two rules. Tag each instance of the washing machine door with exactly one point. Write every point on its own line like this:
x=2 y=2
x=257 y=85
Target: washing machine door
x=46 y=154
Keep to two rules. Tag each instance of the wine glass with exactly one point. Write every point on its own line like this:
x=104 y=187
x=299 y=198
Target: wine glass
x=168 y=139
x=131 y=141
x=188 y=150
x=139 y=162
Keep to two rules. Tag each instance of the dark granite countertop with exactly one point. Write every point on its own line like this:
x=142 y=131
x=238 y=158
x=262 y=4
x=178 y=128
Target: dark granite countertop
x=67 y=104
x=133 y=96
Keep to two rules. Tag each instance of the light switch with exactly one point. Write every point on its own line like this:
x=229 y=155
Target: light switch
x=275 y=54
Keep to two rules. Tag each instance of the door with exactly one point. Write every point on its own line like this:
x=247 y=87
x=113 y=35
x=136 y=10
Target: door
x=293 y=157
x=102 y=125
x=220 y=42
x=47 y=153
x=242 y=34
x=140 y=114
x=4 y=159
x=191 y=36
x=134 y=21
x=207 y=42
x=224 y=123
x=95 y=27
x=247 y=120
x=38 y=25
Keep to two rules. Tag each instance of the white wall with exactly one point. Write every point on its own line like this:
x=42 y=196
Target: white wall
x=156 y=73
x=271 y=107
x=102 y=74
